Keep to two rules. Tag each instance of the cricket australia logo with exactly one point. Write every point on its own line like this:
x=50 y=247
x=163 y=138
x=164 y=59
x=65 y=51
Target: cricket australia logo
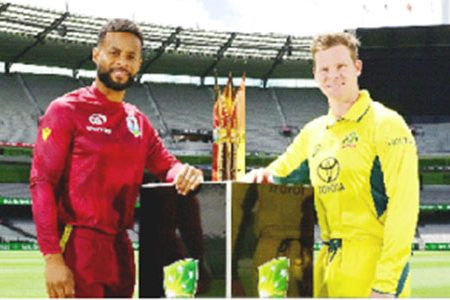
x=133 y=125
x=328 y=170
x=350 y=140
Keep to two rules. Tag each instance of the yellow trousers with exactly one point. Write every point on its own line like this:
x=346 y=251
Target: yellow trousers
x=348 y=270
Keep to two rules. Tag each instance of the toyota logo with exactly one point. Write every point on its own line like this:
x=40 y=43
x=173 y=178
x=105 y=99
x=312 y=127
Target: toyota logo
x=328 y=170
x=97 y=119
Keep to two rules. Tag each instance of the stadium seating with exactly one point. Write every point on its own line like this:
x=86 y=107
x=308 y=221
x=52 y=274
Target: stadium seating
x=19 y=229
x=301 y=105
x=25 y=97
x=10 y=235
x=46 y=88
x=15 y=190
x=184 y=106
x=435 y=233
x=435 y=194
x=263 y=123
x=26 y=225
x=433 y=138
x=18 y=115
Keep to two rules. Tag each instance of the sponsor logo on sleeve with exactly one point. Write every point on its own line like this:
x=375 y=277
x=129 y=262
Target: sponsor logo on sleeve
x=397 y=141
x=46 y=133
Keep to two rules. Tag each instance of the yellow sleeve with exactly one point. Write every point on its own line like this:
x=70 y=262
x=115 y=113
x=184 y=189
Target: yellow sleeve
x=292 y=167
x=397 y=154
x=295 y=158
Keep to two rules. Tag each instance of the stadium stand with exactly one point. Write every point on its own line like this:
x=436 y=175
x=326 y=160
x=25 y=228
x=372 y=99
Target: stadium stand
x=45 y=88
x=300 y=106
x=186 y=51
x=435 y=233
x=435 y=194
x=10 y=235
x=19 y=230
x=263 y=122
x=172 y=106
x=18 y=115
x=184 y=106
x=433 y=138
x=15 y=190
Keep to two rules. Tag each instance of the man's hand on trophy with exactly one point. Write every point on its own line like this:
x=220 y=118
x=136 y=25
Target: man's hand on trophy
x=261 y=175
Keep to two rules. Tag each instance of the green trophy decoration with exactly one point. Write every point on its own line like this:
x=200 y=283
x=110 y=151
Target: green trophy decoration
x=273 y=278
x=180 y=278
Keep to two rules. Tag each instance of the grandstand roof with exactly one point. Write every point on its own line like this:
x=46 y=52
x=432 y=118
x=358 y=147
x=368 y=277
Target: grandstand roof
x=40 y=36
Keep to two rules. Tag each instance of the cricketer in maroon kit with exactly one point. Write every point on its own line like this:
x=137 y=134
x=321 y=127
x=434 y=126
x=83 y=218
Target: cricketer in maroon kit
x=89 y=158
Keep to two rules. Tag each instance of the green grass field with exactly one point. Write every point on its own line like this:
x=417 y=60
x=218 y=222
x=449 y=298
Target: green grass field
x=430 y=271
x=430 y=274
x=21 y=275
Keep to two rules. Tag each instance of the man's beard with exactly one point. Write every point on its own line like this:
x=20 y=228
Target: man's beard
x=105 y=78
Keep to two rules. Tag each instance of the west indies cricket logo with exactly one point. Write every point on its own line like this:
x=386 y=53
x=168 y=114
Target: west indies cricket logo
x=133 y=125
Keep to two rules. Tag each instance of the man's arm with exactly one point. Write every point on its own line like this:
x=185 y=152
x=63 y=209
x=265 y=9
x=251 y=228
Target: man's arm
x=280 y=169
x=49 y=159
x=399 y=163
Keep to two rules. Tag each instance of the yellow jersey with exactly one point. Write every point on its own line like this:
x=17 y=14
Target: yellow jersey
x=364 y=170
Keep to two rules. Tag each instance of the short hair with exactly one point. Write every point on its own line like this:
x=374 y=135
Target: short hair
x=120 y=25
x=328 y=40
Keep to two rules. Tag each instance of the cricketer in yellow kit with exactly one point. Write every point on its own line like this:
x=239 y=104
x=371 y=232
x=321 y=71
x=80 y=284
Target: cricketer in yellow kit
x=361 y=159
x=364 y=172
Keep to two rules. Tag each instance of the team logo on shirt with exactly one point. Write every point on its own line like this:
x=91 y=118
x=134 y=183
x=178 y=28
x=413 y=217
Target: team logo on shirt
x=46 y=133
x=133 y=125
x=350 y=140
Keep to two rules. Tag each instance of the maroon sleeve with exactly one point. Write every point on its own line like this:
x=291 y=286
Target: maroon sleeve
x=51 y=150
x=160 y=162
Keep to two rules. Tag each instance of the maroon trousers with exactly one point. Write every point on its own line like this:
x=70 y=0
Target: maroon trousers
x=103 y=265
